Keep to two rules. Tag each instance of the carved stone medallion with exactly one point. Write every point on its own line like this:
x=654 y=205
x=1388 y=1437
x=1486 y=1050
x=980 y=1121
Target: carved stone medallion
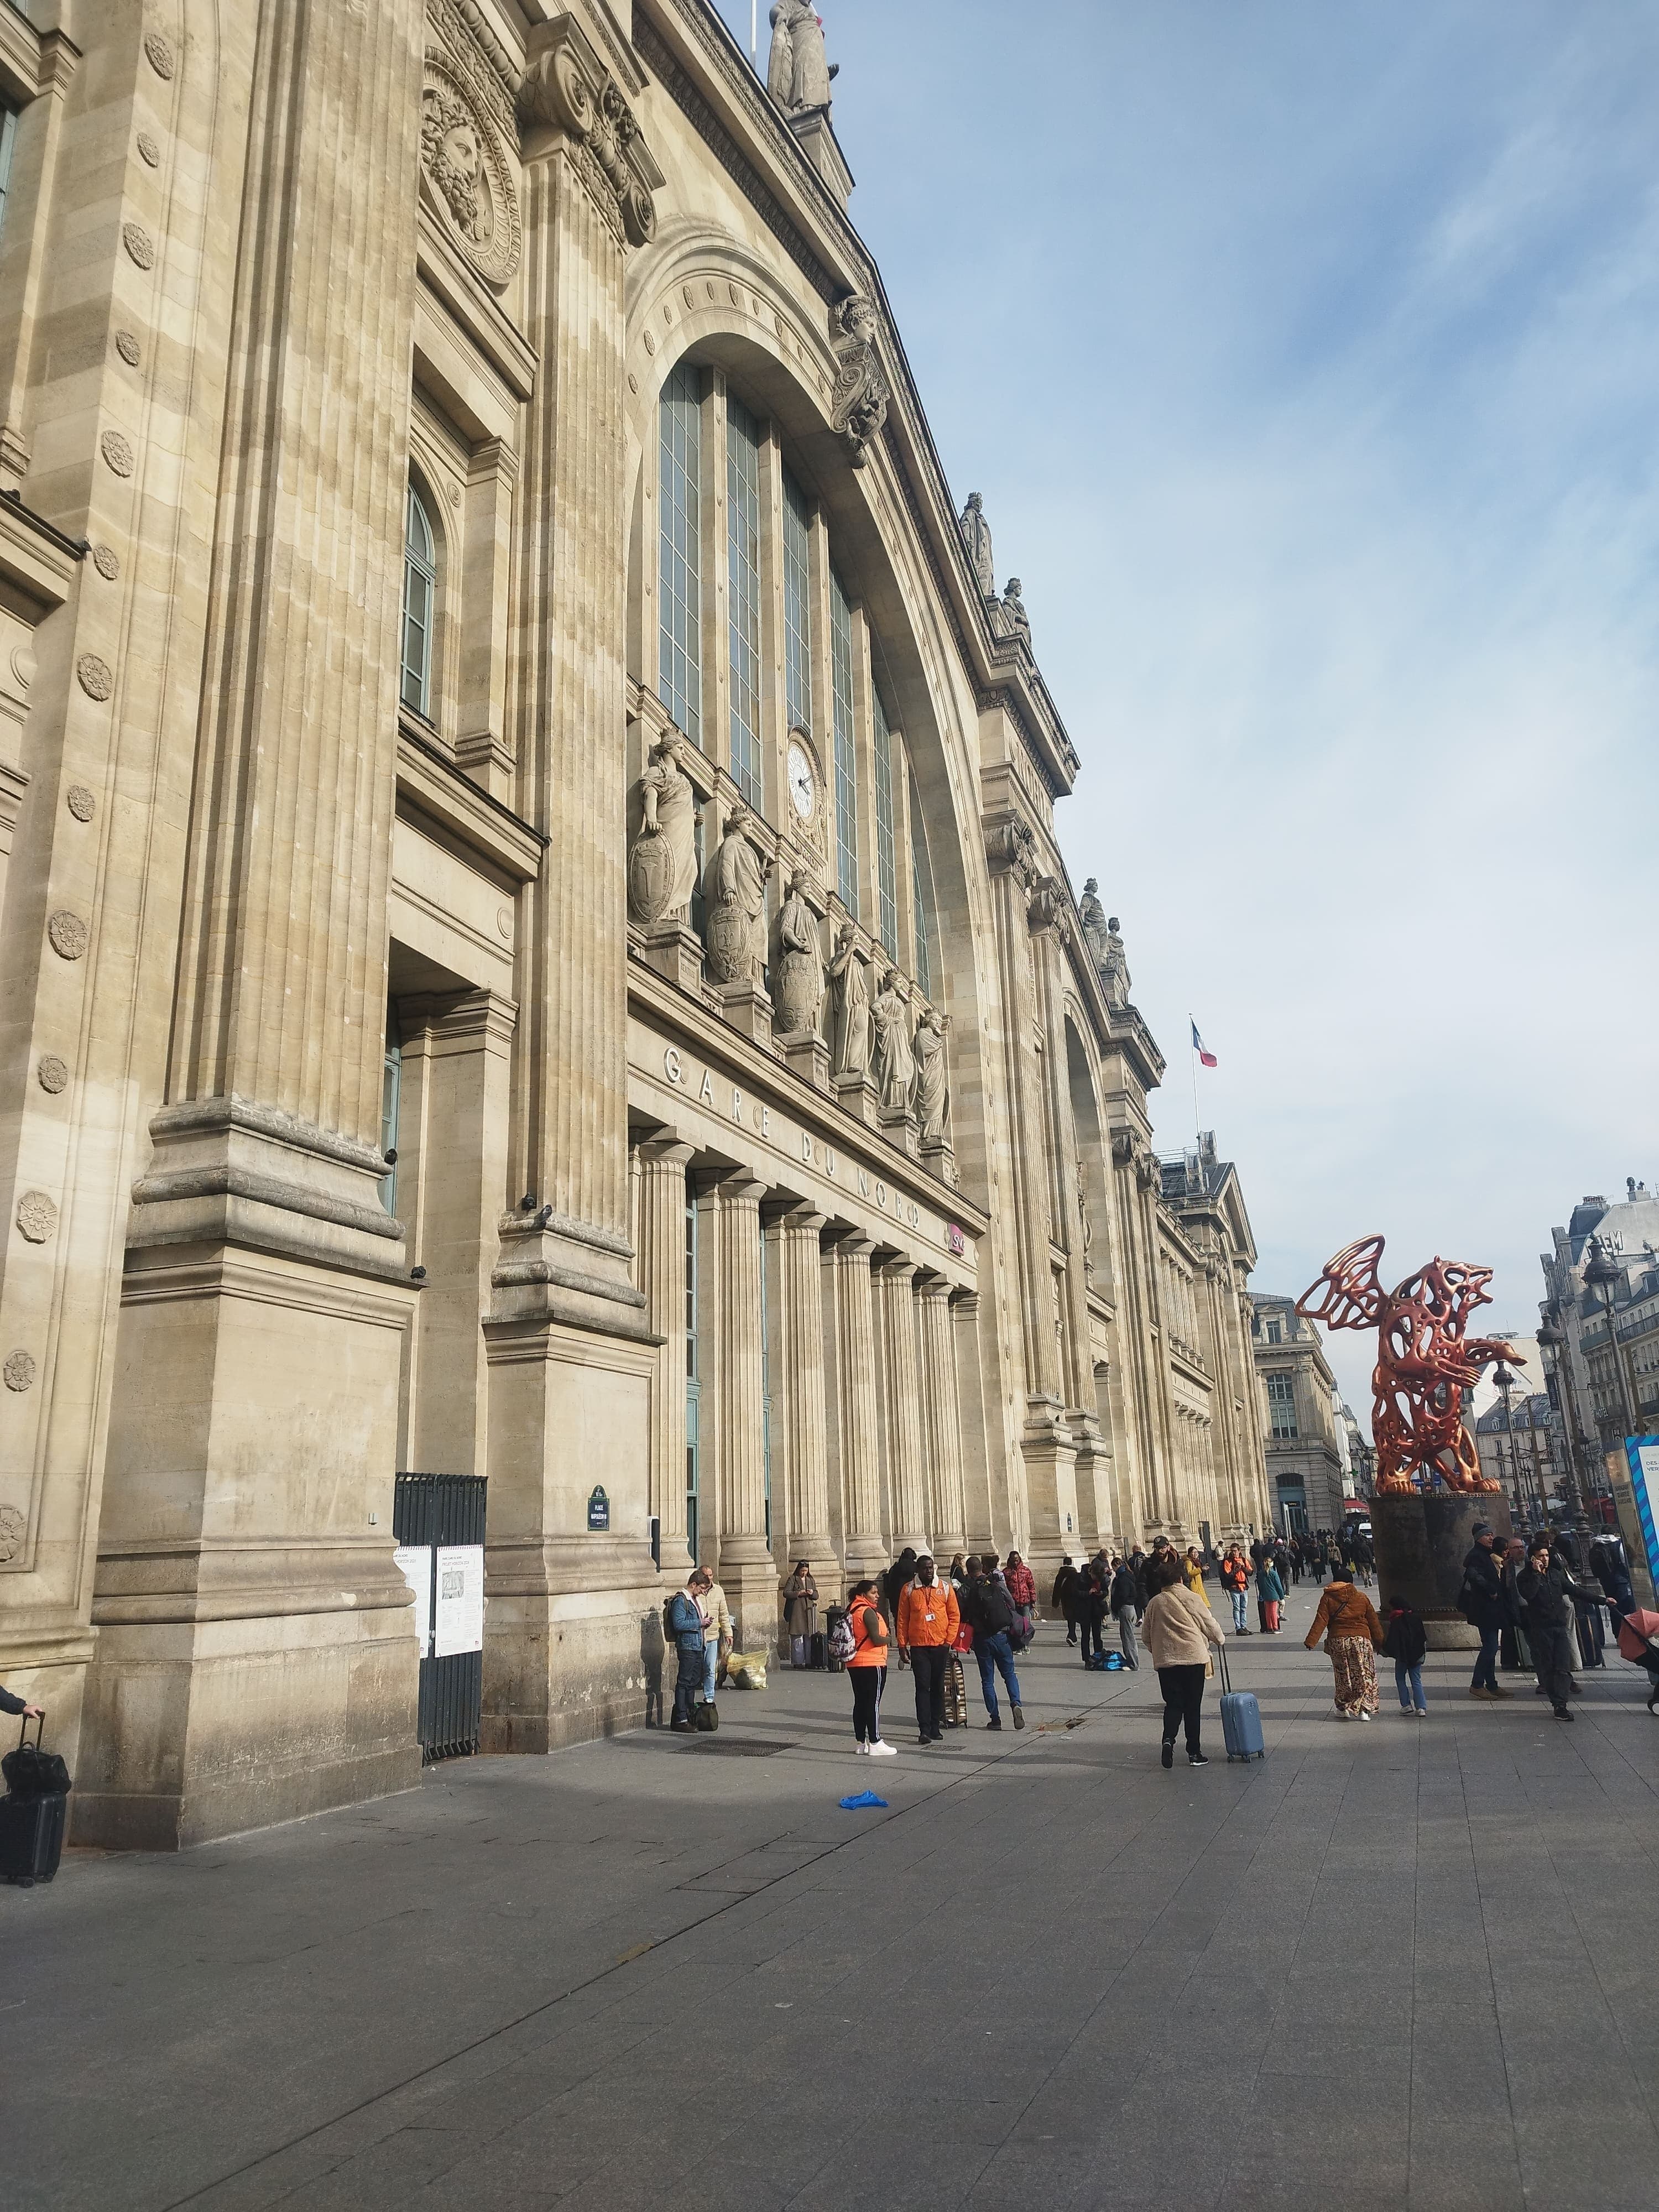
x=464 y=173
x=13 y=1529
x=148 y=151
x=96 y=677
x=141 y=247
x=159 y=54
x=37 y=1217
x=107 y=561
x=116 y=452
x=79 y=801
x=53 y=1073
x=127 y=346
x=68 y=935
x=18 y=1373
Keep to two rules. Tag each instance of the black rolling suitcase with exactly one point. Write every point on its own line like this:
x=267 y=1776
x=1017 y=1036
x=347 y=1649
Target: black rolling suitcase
x=31 y=1812
x=816 y=1652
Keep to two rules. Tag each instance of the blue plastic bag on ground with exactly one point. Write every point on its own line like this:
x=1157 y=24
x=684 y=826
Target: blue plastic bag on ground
x=865 y=1797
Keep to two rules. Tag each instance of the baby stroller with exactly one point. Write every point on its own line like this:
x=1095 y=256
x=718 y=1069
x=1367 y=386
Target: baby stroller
x=1638 y=1641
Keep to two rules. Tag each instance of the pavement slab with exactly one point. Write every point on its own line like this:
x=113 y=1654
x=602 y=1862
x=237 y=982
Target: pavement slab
x=1402 y=1965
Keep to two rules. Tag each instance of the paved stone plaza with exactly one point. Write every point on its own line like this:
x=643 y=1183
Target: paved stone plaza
x=1392 y=1966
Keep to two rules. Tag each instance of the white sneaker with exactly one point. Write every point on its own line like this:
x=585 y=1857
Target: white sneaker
x=862 y=1749
x=1363 y=1716
x=882 y=1751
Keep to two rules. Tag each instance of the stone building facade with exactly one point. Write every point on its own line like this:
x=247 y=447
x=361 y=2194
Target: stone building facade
x=534 y=944
x=1306 y=1475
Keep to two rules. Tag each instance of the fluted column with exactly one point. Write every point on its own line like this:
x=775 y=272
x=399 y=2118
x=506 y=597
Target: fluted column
x=661 y=1273
x=801 y=1529
x=986 y=1515
x=746 y=1571
x=900 y=1408
x=244 y=1571
x=942 y=1417
x=573 y=1359
x=857 y=1426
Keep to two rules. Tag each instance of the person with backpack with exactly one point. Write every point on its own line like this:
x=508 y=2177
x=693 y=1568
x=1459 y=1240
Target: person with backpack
x=862 y=1645
x=1125 y=1600
x=1022 y=1589
x=686 y=1624
x=1093 y=1600
x=928 y=1618
x=1351 y=1644
x=989 y=1610
x=1236 y=1581
x=1405 y=1642
x=1480 y=1602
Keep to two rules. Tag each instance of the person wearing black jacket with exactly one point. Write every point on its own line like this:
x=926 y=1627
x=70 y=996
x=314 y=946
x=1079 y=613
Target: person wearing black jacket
x=1063 y=1599
x=1481 y=1602
x=1546 y=1591
x=893 y=1582
x=1091 y=1601
x=1406 y=1643
x=11 y=1704
x=989 y=1610
x=1127 y=1604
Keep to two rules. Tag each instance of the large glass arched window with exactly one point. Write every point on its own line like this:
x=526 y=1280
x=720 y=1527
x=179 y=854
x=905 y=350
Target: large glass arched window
x=797 y=606
x=420 y=603
x=679 y=641
x=743 y=517
x=844 y=731
x=922 y=885
x=886 y=858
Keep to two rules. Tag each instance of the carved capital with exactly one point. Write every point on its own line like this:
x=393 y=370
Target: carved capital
x=567 y=90
x=1048 y=906
x=859 y=402
x=1010 y=848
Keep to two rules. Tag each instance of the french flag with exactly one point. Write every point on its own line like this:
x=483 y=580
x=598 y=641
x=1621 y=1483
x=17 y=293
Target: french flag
x=1206 y=1058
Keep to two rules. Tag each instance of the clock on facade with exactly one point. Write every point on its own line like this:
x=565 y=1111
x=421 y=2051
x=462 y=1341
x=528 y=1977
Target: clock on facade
x=803 y=783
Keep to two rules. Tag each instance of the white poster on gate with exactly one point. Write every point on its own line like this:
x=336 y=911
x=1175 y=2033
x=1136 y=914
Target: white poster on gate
x=458 y=1620
x=415 y=1565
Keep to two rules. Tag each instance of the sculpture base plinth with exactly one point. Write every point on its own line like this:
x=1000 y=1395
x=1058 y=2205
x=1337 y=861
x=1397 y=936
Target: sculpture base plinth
x=1421 y=1544
x=900 y=1129
x=748 y=1009
x=675 y=952
x=940 y=1159
x=809 y=1055
x=858 y=1095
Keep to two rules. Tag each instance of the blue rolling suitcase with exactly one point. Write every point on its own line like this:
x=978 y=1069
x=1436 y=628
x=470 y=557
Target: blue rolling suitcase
x=1241 y=1717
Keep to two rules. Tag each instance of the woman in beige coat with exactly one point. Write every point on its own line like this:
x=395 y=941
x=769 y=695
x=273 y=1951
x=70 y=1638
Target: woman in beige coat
x=1179 y=1630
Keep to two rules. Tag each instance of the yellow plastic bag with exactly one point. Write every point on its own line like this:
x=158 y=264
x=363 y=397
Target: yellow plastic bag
x=746 y=1670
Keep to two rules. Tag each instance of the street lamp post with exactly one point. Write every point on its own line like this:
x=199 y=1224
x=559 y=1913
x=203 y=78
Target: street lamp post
x=1552 y=1340
x=1503 y=1379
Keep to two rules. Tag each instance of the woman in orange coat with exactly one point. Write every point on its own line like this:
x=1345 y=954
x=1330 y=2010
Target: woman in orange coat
x=1352 y=1646
x=868 y=1668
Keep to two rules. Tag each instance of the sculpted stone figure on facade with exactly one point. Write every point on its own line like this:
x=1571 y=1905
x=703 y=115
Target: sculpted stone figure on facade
x=849 y=1041
x=798 y=70
x=930 y=1100
x=798 y=971
x=463 y=162
x=736 y=904
x=977 y=537
x=1115 y=968
x=662 y=865
x=1013 y=610
x=859 y=402
x=1093 y=916
x=894 y=1059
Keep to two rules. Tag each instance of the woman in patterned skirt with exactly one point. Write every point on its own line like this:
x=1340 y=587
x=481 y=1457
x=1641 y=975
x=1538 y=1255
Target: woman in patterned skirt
x=1354 y=1639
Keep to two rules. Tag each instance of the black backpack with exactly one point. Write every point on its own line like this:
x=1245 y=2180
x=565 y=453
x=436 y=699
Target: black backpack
x=994 y=1609
x=31 y=1772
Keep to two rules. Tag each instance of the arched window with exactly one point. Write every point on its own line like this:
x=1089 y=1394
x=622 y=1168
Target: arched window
x=921 y=885
x=886 y=861
x=420 y=603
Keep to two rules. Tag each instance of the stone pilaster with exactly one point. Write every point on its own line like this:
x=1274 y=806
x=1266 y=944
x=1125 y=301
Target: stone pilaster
x=572 y=1358
x=451 y=1165
x=986 y=1525
x=662 y=1161
x=942 y=1417
x=745 y=1559
x=256 y=1656
x=901 y=1408
x=801 y=1528
x=857 y=1423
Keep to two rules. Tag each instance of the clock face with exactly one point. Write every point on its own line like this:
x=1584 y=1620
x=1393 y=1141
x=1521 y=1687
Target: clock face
x=802 y=784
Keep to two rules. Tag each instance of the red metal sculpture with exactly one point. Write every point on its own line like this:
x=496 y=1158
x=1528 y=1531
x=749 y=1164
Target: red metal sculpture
x=1424 y=1363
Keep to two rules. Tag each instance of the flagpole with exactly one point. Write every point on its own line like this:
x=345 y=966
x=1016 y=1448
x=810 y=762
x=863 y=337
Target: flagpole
x=1191 y=1054
x=754 y=32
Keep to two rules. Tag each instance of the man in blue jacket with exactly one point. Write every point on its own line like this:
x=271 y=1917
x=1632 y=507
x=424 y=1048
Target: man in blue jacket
x=687 y=1624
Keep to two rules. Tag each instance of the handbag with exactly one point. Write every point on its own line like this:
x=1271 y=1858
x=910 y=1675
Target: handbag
x=31 y=1772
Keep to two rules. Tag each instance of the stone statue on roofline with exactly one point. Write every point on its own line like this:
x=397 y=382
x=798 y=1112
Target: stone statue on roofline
x=1094 y=921
x=798 y=70
x=1013 y=610
x=977 y=537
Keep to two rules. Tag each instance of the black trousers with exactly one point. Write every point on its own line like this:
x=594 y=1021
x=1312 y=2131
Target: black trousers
x=1093 y=1640
x=928 y=1663
x=1550 y=1656
x=866 y=1702
x=687 y=1683
x=1183 y=1702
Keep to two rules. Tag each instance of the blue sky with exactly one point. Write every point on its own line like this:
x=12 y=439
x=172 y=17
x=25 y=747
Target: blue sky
x=1307 y=355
